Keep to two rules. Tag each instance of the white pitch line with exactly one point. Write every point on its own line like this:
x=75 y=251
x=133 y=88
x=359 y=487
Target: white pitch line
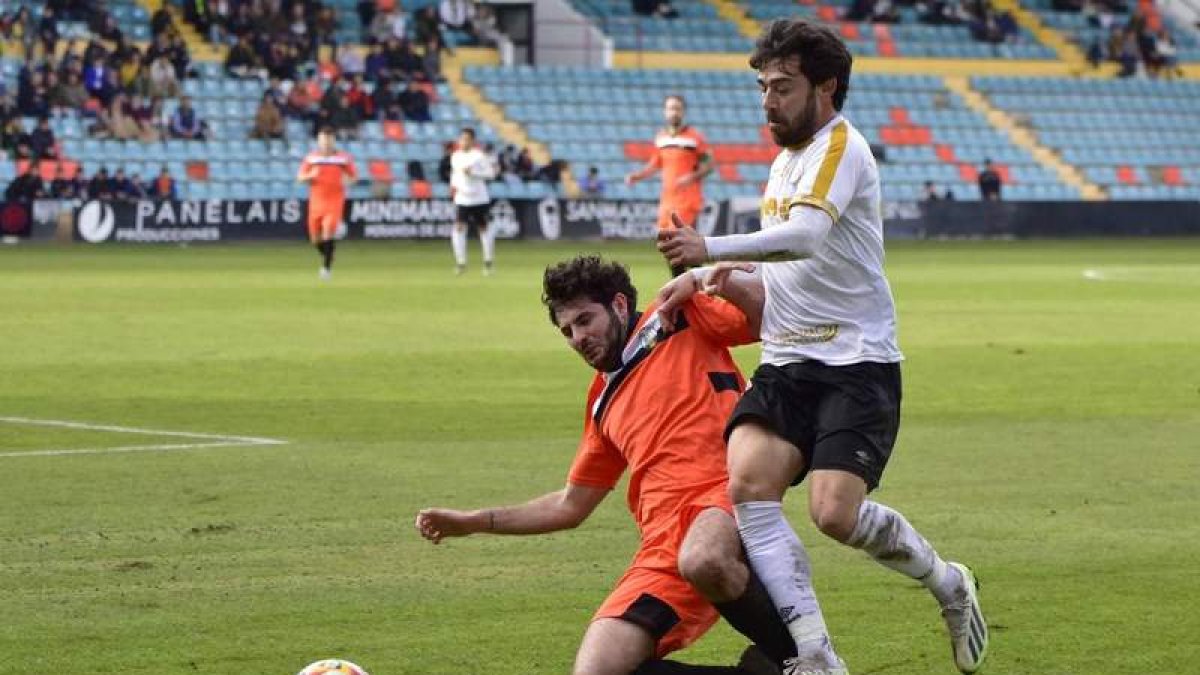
x=213 y=440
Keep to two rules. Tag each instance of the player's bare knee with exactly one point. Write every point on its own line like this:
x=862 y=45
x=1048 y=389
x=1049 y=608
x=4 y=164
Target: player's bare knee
x=834 y=520
x=709 y=571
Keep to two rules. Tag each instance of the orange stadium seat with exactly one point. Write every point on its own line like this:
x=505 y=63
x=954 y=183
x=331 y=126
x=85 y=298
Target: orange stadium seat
x=380 y=170
x=395 y=131
x=1171 y=175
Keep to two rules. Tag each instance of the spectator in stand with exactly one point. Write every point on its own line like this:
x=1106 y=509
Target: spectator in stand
x=100 y=187
x=161 y=21
x=163 y=187
x=8 y=109
x=342 y=117
x=162 y=80
x=392 y=24
x=281 y=61
x=300 y=33
x=415 y=103
x=1128 y=55
x=431 y=59
x=65 y=188
x=301 y=103
x=48 y=31
x=42 y=140
x=242 y=61
x=523 y=167
x=350 y=61
x=458 y=15
x=185 y=123
x=402 y=63
x=242 y=22
x=136 y=187
x=1167 y=55
x=33 y=99
x=427 y=26
x=592 y=185
x=103 y=24
x=486 y=30
x=375 y=64
x=989 y=183
x=268 y=121
x=930 y=194
x=659 y=8
x=28 y=186
x=20 y=29
x=360 y=99
x=97 y=81
x=146 y=114
x=324 y=26
x=366 y=10
x=15 y=140
x=68 y=93
x=387 y=103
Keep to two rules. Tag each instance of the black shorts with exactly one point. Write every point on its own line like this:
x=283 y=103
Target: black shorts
x=473 y=216
x=840 y=417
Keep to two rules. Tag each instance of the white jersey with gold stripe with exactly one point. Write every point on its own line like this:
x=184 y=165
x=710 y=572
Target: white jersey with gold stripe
x=836 y=306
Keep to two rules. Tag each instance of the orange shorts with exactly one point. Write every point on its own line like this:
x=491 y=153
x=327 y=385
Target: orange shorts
x=688 y=213
x=653 y=595
x=323 y=220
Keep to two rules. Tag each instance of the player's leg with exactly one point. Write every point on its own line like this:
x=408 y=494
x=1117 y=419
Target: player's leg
x=711 y=560
x=458 y=240
x=487 y=237
x=613 y=646
x=857 y=424
x=761 y=467
x=316 y=233
x=329 y=225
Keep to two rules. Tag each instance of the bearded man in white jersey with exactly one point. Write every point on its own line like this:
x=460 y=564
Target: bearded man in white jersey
x=825 y=401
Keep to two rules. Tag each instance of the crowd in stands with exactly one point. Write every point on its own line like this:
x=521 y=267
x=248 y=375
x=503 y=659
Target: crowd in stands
x=985 y=23
x=116 y=186
x=1136 y=45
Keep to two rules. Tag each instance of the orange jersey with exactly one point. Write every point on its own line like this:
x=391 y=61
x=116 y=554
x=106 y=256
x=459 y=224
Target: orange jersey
x=677 y=155
x=327 y=187
x=662 y=415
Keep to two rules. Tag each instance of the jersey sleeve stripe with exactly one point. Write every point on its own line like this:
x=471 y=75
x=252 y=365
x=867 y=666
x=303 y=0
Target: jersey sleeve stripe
x=812 y=200
x=829 y=165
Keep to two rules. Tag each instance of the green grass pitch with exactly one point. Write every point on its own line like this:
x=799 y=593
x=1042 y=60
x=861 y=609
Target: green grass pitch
x=1051 y=438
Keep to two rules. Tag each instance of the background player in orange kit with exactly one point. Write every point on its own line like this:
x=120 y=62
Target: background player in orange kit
x=325 y=170
x=682 y=154
x=656 y=407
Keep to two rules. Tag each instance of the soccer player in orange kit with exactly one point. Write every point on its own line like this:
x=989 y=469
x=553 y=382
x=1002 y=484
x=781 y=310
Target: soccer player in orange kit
x=657 y=406
x=325 y=170
x=683 y=155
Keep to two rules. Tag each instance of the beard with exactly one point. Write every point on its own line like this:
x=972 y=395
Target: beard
x=798 y=131
x=610 y=360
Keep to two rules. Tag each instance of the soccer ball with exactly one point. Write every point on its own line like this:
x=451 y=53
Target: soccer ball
x=332 y=667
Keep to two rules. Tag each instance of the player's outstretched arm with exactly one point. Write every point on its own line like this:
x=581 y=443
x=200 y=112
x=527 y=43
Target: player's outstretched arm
x=642 y=173
x=306 y=173
x=560 y=510
x=800 y=237
x=739 y=283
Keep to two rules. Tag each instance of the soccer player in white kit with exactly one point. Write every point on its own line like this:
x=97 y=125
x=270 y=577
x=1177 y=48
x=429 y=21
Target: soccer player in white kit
x=825 y=401
x=470 y=170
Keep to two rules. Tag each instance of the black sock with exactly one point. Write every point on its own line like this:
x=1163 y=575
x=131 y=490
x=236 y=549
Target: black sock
x=327 y=253
x=754 y=615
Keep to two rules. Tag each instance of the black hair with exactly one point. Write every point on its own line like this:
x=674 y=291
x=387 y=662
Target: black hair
x=470 y=131
x=823 y=55
x=585 y=276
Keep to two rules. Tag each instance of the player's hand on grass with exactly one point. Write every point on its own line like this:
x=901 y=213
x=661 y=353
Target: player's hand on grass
x=438 y=524
x=683 y=245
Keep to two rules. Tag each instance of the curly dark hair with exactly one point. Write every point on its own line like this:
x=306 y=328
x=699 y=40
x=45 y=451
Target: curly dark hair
x=585 y=276
x=822 y=53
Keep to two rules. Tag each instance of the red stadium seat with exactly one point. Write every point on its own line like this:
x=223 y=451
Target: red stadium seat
x=1171 y=175
x=1127 y=176
x=420 y=189
x=395 y=131
x=888 y=48
x=945 y=152
x=849 y=30
x=380 y=170
x=827 y=13
x=729 y=172
x=899 y=115
x=197 y=170
x=968 y=172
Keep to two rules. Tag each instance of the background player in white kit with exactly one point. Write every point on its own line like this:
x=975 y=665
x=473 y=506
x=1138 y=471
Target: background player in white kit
x=470 y=170
x=825 y=402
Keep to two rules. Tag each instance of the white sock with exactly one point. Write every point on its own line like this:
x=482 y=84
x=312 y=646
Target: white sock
x=779 y=559
x=487 y=239
x=458 y=243
x=887 y=537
